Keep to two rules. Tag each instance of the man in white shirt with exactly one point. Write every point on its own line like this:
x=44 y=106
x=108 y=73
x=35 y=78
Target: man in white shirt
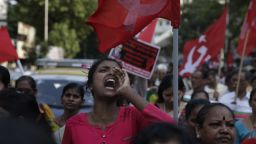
x=238 y=102
x=213 y=87
x=241 y=104
x=197 y=83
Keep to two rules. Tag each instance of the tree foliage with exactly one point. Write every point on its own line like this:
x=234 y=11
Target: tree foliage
x=67 y=28
x=237 y=12
x=64 y=37
x=197 y=16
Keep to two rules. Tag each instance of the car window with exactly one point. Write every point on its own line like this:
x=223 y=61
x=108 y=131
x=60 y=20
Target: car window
x=50 y=90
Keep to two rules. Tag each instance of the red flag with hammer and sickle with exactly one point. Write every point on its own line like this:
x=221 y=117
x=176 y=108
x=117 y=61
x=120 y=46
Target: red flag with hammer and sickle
x=7 y=50
x=248 y=25
x=207 y=46
x=117 y=21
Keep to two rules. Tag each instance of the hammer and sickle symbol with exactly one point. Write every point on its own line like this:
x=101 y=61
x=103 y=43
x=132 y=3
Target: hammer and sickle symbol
x=136 y=9
x=190 y=67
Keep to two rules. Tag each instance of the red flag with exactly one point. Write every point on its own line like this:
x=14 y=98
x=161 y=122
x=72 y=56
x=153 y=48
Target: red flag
x=117 y=21
x=249 y=141
x=148 y=33
x=7 y=50
x=248 y=25
x=230 y=59
x=207 y=46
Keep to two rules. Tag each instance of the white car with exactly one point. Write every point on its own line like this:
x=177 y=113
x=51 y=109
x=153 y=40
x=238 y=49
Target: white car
x=50 y=88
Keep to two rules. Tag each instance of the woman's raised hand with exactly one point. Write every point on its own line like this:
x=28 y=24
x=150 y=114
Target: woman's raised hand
x=125 y=90
x=123 y=81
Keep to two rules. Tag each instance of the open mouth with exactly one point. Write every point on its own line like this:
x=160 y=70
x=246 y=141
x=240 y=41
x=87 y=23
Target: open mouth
x=110 y=83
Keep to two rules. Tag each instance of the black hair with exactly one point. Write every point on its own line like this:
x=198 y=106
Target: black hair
x=204 y=69
x=161 y=132
x=20 y=131
x=181 y=84
x=253 y=92
x=29 y=79
x=191 y=105
x=205 y=110
x=23 y=105
x=95 y=66
x=4 y=76
x=211 y=72
x=167 y=83
x=76 y=86
x=200 y=91
x=19 y=104
x=228 y=77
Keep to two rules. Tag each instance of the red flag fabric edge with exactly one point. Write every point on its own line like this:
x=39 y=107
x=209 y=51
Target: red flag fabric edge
x=7 y=50
x=148 y=33
x=207 y=46
x=248 y=25
x=108 y=21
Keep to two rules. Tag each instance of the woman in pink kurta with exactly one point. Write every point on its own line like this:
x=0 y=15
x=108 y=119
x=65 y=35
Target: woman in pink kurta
x=108 y=123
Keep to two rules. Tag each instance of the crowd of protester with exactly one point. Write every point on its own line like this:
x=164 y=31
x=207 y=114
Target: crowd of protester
x=212 y=109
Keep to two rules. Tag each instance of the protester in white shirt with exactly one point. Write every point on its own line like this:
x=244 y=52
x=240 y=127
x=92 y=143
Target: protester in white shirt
x=197 y=83
x=238 y=102
x=213 y=87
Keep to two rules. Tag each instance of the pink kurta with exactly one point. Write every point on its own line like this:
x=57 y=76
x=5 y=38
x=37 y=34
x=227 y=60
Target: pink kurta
x=128 y=122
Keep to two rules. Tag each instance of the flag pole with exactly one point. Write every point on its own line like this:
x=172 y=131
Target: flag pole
x=175 y=54
x=46 y=3
x=219 y=72
x=20 y=66
x=226 y=40
x=222 y=51
x=241 y=63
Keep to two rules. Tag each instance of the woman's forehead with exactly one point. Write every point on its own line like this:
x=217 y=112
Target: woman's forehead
x=108 y=63
x=72 y=89
x=23 y=83
x=219 y=113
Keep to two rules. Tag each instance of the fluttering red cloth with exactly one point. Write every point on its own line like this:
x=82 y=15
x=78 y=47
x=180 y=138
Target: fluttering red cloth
x=117 y=21
x=7 y=50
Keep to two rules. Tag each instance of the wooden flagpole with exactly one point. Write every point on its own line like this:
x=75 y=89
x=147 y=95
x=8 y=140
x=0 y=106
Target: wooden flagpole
x=221 y=57
x=241 y=64
x=219 y=72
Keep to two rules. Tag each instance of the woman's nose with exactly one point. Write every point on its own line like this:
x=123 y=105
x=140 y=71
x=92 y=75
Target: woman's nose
x=224 y=128
x=111 y=70
x=71 y=98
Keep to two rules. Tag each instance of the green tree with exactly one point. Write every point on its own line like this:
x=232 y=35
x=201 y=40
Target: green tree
x=65 y=37
x=237 y=12
x=196 y=17
x=67 y=28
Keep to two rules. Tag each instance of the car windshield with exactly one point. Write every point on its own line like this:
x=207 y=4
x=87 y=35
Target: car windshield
x=50 y=90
